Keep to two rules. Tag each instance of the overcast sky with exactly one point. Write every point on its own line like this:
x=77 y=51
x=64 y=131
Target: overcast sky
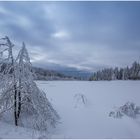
x=84 y=35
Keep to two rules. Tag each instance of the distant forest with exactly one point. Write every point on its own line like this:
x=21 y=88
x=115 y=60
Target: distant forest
x=127 y=73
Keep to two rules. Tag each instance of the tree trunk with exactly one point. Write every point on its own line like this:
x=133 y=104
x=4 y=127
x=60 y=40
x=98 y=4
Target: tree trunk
x=19 y=104
x=15 y=106
x=19 y=97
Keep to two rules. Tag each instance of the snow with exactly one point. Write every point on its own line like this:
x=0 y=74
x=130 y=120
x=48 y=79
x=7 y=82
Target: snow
x=85 y=120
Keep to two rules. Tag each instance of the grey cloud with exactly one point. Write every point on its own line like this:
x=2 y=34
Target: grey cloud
x=80 y=34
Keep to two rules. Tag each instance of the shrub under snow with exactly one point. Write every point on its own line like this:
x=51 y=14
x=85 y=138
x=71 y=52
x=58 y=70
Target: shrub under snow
x=128 y=109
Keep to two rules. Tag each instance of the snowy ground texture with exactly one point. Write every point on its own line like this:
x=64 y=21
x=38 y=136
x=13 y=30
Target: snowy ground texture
x=84 y=108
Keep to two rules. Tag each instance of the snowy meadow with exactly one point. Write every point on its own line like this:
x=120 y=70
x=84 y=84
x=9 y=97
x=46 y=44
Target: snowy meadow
x=91 y=120
x=86 y=117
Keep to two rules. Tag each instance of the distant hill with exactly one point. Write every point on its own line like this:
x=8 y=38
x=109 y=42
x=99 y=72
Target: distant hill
x=80 y=74
x=44 y=74
x=65 y=71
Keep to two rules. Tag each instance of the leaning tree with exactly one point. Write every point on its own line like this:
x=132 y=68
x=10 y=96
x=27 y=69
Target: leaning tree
x=30 y=104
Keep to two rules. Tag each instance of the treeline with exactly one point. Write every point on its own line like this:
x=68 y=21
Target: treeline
x=127 y=73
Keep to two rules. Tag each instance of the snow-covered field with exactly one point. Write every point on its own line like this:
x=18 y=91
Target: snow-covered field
x=84 y=108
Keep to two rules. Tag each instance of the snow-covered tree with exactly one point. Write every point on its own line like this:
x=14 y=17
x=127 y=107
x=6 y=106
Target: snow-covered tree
x=135 y=69
x=33 y=102
x=19 y=94
x=8 y=89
